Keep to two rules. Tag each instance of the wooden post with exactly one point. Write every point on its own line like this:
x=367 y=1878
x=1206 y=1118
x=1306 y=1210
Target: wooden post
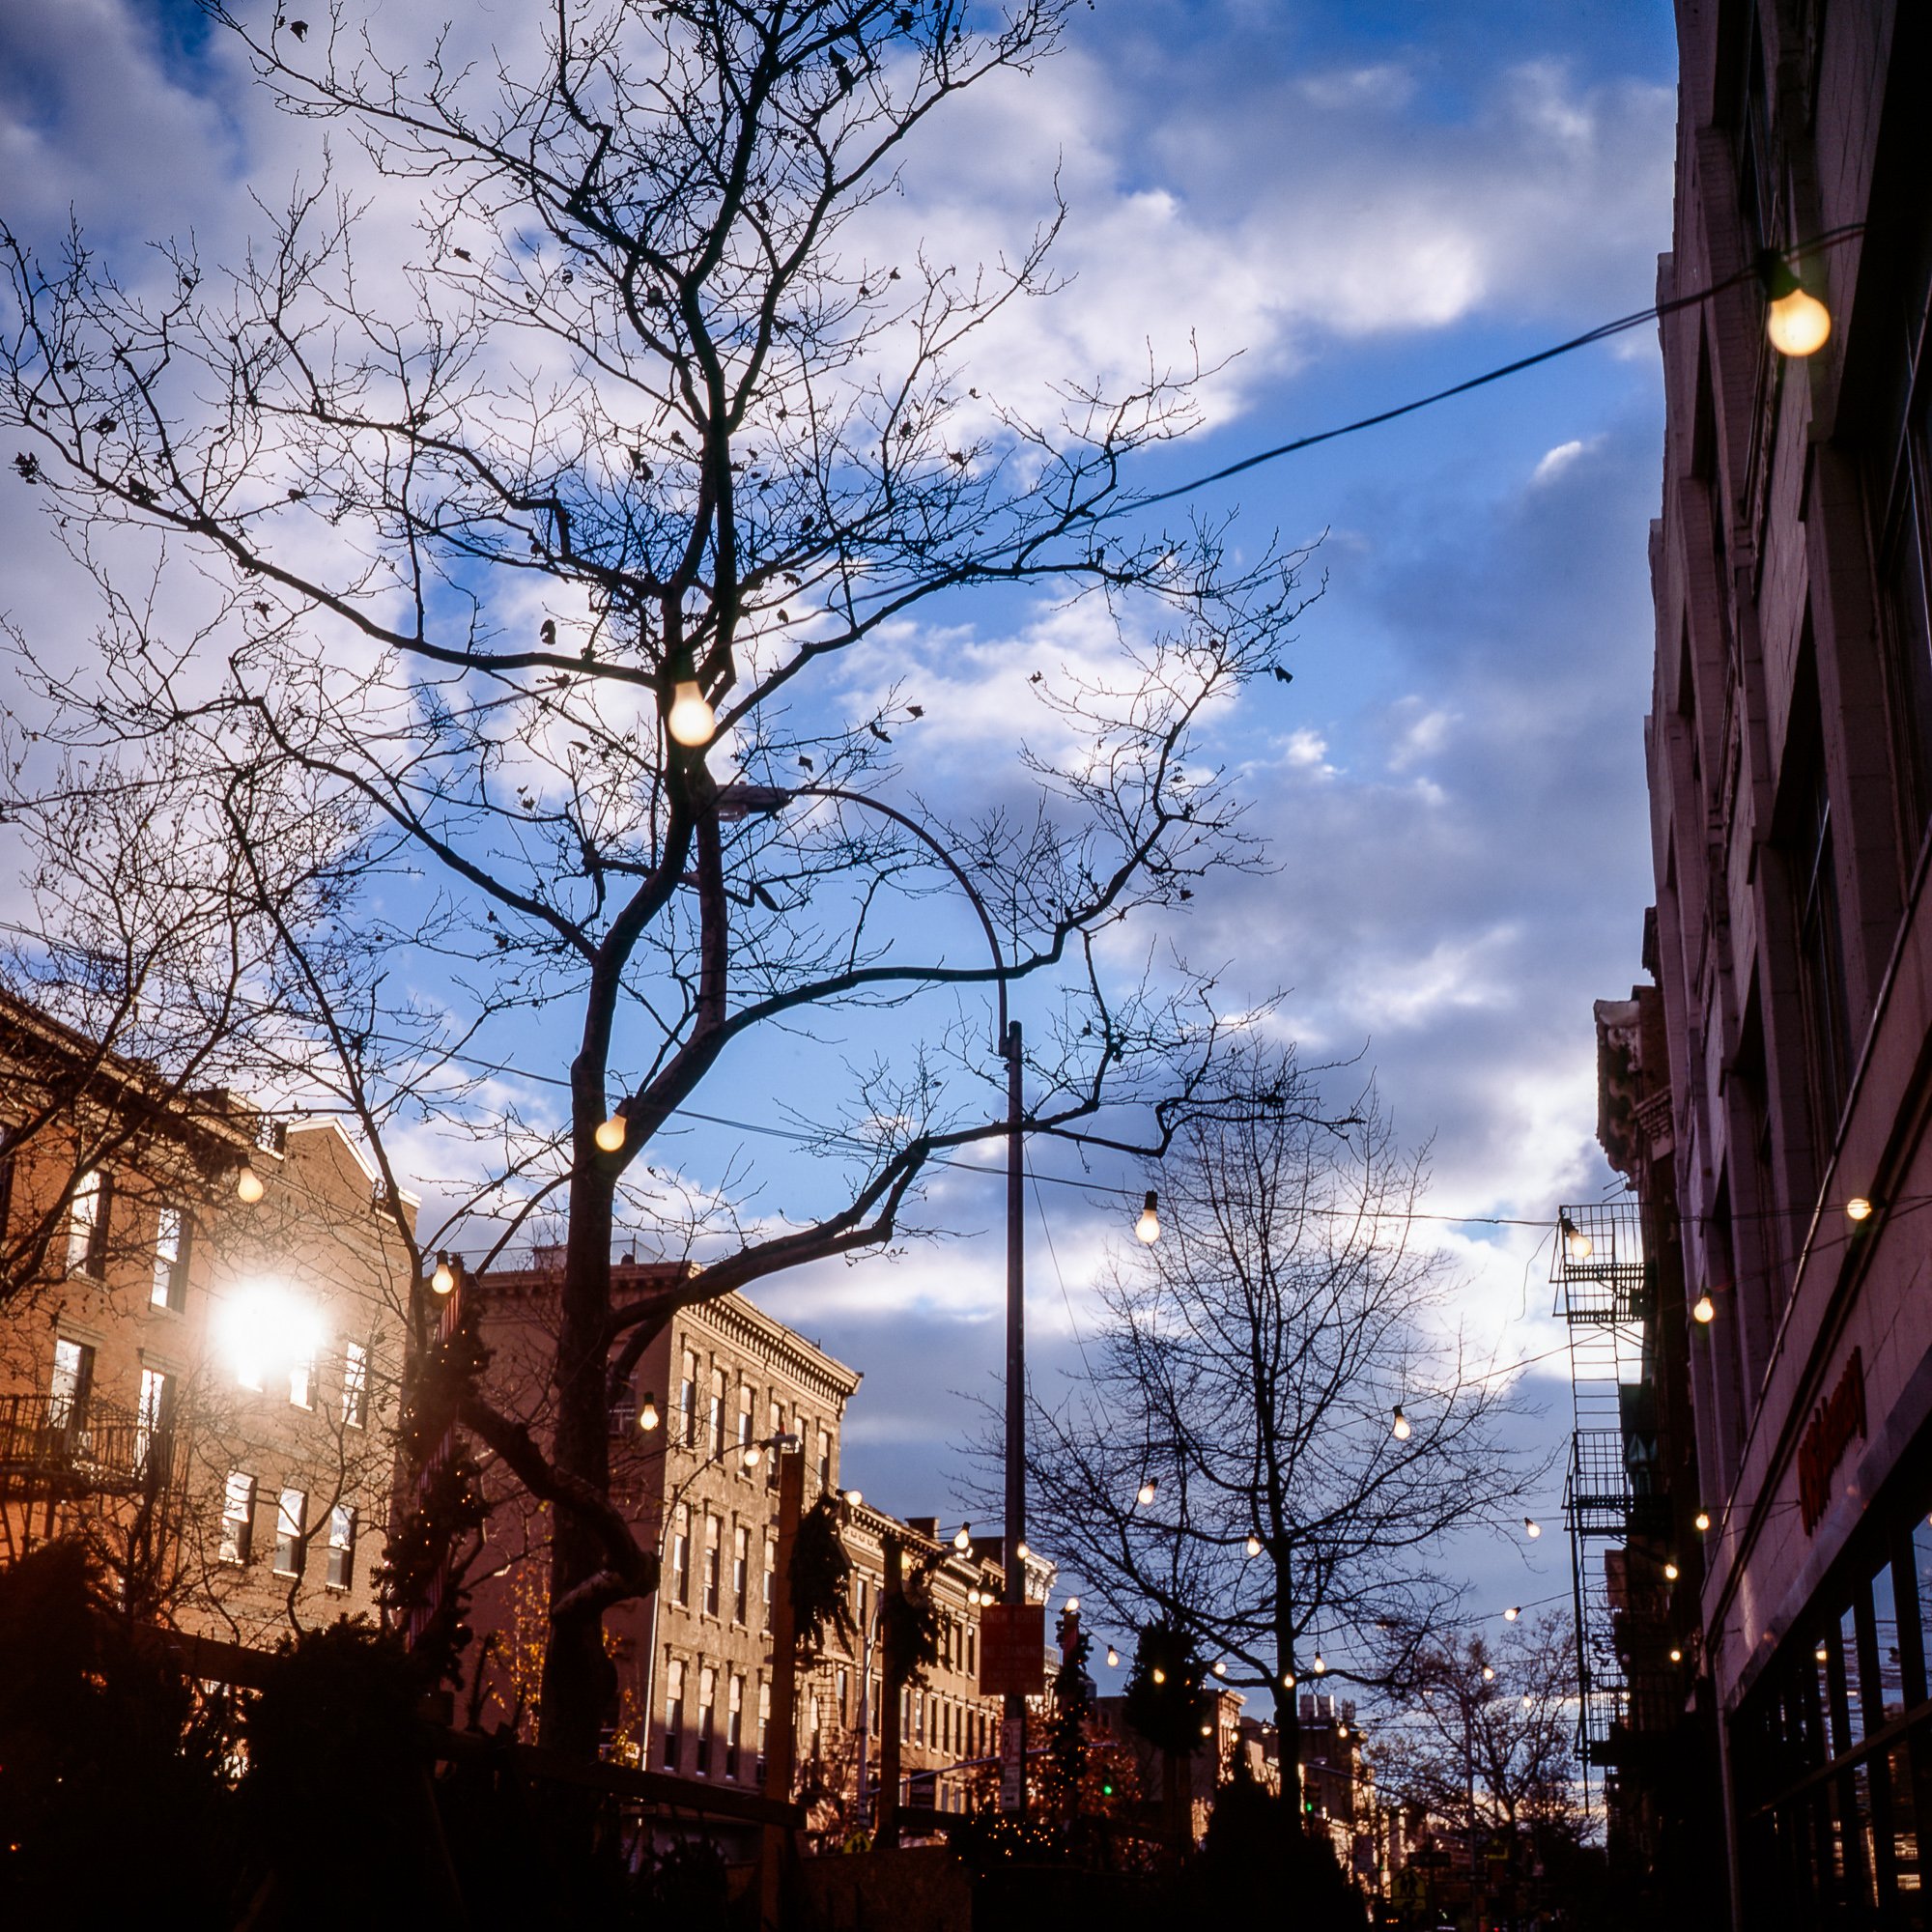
x=886 y=1833
x=780 y=1741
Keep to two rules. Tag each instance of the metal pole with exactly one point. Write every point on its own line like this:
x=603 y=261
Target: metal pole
x=782 y=1738
x=1012 y=1752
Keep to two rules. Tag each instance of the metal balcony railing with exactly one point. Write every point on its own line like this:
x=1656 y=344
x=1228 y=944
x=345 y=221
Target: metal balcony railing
x=1599 y=1266
x=56 y=1444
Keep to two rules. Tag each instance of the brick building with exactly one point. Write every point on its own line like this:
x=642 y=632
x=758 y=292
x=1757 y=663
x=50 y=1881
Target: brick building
x=199 y=1385
x=1790 y=763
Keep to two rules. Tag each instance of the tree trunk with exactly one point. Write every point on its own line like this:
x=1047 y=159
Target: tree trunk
x=580 y=1682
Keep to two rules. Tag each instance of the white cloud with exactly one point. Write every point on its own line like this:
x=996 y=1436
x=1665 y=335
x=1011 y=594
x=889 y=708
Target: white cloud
x=1556 y=462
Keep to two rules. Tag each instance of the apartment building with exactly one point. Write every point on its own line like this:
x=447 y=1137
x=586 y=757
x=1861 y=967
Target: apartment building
x=200 y=1344
x=1790 y=766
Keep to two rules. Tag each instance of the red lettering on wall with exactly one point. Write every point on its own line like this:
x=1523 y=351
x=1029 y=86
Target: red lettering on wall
x=1828 y=1434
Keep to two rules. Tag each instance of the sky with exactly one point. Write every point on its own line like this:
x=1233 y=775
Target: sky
x=1341 y=207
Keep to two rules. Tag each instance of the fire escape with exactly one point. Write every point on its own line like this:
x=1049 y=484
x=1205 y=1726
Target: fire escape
x=1613 y=1495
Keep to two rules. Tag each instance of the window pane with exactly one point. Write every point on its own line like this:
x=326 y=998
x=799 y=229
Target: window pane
x=237 y=1517
x=158 y=1396
x=83 y=1217
x=72 y=1384
x=355 y=1386
x=289 y=1518
x=169 y=1253
x=1890 y=1686
x=341 y=1546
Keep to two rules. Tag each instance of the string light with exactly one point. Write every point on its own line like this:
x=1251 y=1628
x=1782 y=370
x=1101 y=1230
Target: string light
x=248 y=1185
x=855 y=1498
x=1531 y=1528
x=1073 y=1606
x=1158 y=1675
x=1022 y=1552
x=691 y=720
x=962 y=1538
x=1113 y=1657
x=1798 y=324
x=1511 y=1614
x=1489 y=1673
x=1146 y=1491
x=1670 y=1572
x=1220 y=1668
x=1320 y=1668
x=1858 y=1208
x=753 y=1456
x=648 y=1415
x=1401 y=1430
x=1287 y=1680
x=1676 y=1655
x=1704 y=1308
x=444 y=1277
x=1254 y=1546
x=609 y=1135
x=1578 y=1246
x=1147 y=1230
x=1702 y=1520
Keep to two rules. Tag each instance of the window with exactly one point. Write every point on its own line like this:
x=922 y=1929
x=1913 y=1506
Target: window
x=155 y=1413
x=718 y=1412
x=764 y=1726
x=711 y=1527
x=741 y=1568
x=708 y=1692
x=341 y=1546
x=777 y=1418
x=919 y=1705
x=237 y=1517
x=824 y=1462
x=744 y=1413
x=6 y=1175
x=687 y=1400
x=169 y=1287
x=1822 y=963
x=86 y=1224
x=674 y=1738
x=72 y=1386
x=680 y=1557
x=289 y=1520
x=972 y=1650
x=816 y=1733
x=771 y=1558
x=301 y=1382
x=355 y=1386
x=843 y=1706
x=734 y=1726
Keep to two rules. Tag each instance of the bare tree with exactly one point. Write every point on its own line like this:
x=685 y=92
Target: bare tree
x=1234 y=1466
x=525 y=553
x=1483 y=1736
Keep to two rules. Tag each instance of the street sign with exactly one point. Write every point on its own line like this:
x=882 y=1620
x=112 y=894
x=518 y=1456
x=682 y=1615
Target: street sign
x=1012 y=1650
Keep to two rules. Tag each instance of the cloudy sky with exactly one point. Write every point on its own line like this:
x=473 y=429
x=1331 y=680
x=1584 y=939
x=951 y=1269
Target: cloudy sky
x=1344 y=206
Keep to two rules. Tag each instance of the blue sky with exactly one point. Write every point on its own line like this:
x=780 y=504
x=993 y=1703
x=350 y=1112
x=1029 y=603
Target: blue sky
x=1355 y=204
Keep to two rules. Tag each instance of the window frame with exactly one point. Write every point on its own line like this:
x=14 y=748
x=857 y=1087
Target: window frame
x=237 y=1545
x=340 y=1573
x=291 y=1552
x=167 y=1287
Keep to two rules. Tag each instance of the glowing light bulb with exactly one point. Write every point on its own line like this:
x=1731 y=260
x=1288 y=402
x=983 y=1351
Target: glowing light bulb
x=1525 y=1700
x=1320 y=1668
x=1113 y=1657
x=1145 y=1493
x=973 y=1598
x=1578 y=1246
x=1511 y=1614
x=1254 y=1546
x=1858 y=1208
x=1401 y=1430
x=1158 y=1675
x=1819 y=1653
x=648 y=1415
x=1024 y=1552
x=1670 y=1572
x=1073 y=1606
x=754 y=1455
x=1798 y=324
x=1704 y=1309
x=1702 y=1520
x=1287 y=1680
x=1531 y=1528
x=1676 y=1656
x=1489 y=1673
x=609 y=1134
x=962 y=1538
x=1220 y=1668
x=444 y=1277
x=691 y=720
x=1147 y=1230
x=248 y=1185
x=855 y=1498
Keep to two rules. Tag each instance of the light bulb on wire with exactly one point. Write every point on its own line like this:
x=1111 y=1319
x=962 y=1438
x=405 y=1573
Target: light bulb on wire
x=962 y=1538
x=1702 y=1520
x=609 y=1135
x=648 y=1415
x=444 y=1280
x=1578 y=1246
x=1147 y=1230
x=1511 y=1614
x=248 y=1185
x=691 y=720
x=1148 y=1489
x=1797 y=322
x=1704 y=1309
x=1859 y=1208
x=1531 y=1528
x=1401 y=1431
x=1113 y=1657
x=1254 y=1546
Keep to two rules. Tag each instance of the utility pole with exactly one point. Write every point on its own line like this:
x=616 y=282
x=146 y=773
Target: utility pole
x=780 y=1742
x=891 y=1680
x=1012 y=1732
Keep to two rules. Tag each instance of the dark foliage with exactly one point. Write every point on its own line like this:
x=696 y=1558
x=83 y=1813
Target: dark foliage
x=1163 y=1702
x=99 y=1734
x=1258 y=1856
x=821 y=1576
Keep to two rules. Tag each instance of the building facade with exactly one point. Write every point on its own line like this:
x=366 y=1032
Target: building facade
x=1790 y=766
x=201 y=1343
